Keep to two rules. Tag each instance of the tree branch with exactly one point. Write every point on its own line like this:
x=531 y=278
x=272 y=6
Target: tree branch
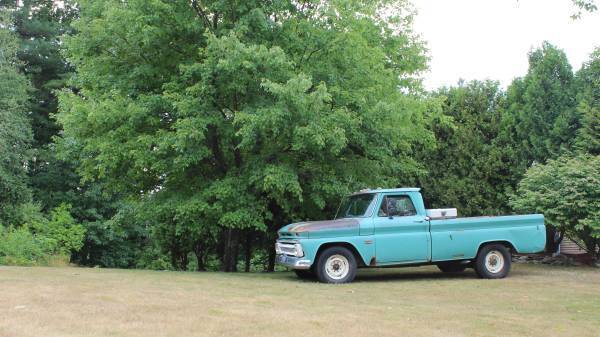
x=201 y=13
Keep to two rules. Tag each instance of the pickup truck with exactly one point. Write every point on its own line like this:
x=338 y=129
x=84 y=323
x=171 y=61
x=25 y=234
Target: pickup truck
x=391 y=227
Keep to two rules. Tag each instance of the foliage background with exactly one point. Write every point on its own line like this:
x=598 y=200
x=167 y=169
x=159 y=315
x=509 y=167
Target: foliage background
x=183 y=134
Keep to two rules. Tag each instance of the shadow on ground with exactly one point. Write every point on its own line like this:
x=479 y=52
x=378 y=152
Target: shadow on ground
x=409 y=274
x=398 y=275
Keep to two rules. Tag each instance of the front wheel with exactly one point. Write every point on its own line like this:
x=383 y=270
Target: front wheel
x=493 y=261
x=336 y=265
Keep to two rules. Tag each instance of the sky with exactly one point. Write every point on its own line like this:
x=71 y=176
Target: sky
x=479 y=39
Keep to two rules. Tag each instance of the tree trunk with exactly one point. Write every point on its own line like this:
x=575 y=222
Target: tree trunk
x=271 y=264
x=230 y=251
x=592 y=246
x=184 y=260
x=248 y=251
x=199 y=252
x=271 y=235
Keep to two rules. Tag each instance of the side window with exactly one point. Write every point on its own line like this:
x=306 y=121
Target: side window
x=397 y=205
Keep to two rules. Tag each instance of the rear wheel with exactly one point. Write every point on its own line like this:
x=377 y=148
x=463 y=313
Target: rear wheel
x=452 y=267
x=336 y=265
x=493 y=261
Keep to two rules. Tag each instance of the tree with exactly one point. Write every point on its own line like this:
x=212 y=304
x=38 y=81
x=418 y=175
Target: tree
x=542 y=107
x=583 y=6
x=542 y=120
x=38 y=25
x=15 y=129
x=466 y=169
x=219 y=119
x=588 y=88
x=567 y=192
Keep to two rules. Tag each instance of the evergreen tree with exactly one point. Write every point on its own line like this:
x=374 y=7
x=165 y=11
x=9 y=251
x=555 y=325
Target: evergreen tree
x=542 y=107
x=466 y=169
x=15 y=128
x=588 y=95
x=39 y=24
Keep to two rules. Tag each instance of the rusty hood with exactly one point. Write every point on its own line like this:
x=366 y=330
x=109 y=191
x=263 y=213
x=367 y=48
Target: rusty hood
x=323 y=228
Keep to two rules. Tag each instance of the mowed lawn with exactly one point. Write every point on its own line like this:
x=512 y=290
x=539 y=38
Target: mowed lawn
x=534 y=300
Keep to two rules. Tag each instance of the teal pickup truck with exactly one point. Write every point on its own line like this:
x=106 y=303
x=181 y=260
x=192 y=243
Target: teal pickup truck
x=391 y=227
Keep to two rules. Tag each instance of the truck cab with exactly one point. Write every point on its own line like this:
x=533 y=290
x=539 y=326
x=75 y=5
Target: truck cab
x=391 y=227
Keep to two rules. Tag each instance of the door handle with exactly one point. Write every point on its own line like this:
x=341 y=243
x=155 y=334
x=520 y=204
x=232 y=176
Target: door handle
x=419 y=221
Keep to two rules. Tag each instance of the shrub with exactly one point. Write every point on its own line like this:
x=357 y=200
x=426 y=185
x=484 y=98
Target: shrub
x=18 y=246
x=41 y=241
x=61 y=231
x=567 y=192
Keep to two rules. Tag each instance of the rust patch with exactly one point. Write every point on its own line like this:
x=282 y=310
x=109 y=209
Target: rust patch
x=321 y=225
x=373 y=261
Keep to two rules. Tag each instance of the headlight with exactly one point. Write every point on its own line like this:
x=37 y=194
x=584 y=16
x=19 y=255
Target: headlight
x=277 y=249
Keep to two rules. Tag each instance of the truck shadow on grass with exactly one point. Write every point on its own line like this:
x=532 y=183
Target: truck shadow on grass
x=402 y=274
x=414 y=274
x=396 y=275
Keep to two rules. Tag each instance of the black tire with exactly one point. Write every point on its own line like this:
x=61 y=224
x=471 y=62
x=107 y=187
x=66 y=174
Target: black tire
x=452 y=267
x=305 y=274
x=344 y=259
x=498 y=256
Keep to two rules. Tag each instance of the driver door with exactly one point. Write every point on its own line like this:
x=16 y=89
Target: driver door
x=401 y=236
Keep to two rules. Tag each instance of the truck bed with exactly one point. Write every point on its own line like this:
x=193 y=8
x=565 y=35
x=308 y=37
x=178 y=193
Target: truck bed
x=460 y=238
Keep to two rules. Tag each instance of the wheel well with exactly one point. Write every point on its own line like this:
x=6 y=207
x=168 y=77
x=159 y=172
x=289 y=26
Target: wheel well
x=347 y=245
x=506 y=244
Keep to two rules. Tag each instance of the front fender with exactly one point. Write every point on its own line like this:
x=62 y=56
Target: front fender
x=364 y=245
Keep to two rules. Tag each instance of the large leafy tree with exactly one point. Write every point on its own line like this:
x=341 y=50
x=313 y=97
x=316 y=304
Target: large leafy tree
x=15 y=128
x=220 y=118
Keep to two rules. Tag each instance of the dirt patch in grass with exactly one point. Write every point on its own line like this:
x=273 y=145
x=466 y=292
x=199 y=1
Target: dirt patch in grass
x=535 y=300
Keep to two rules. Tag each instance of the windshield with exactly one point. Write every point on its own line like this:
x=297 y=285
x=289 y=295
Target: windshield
x=356 y=206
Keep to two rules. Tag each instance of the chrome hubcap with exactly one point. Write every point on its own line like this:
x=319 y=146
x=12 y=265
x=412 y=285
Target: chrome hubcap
x=494 y=261
x=337 y=267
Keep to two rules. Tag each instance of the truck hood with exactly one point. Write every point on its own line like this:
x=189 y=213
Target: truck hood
x=324 y=228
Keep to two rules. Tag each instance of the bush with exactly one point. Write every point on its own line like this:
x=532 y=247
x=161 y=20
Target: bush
x=152 y=258
x=567 y=192
x=43 y=241
x=61 y=231
x=18 y=246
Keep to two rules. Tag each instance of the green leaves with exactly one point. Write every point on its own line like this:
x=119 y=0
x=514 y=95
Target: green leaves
x=15 y=127
x=467 y=168
x=567 y=192
x=39 y=240
x=217 y=117
x=543 y=103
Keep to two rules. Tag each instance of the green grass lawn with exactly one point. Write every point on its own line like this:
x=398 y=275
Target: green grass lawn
x=534 y=300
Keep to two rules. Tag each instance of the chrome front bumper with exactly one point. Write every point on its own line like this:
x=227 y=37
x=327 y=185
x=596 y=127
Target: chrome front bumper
x=293 y=262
